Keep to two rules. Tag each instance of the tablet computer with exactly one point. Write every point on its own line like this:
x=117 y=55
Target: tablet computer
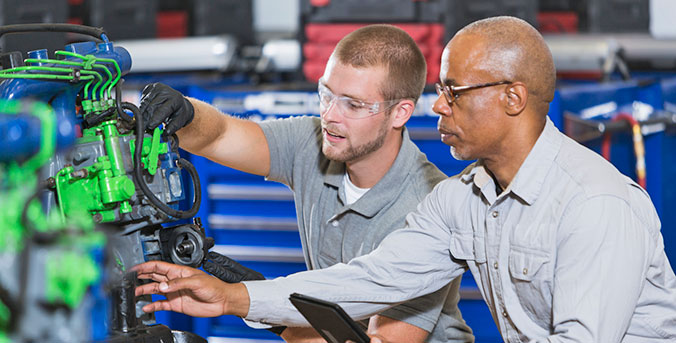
x=329 y=319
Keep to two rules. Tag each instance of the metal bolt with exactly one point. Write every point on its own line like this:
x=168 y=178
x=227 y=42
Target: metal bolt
x=79 y=174
x=185 y=248
x=97 y=217
x=51 y=182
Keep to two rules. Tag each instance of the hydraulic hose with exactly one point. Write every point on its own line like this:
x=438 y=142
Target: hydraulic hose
x=96 y=32
x=138 y=172
x=126 y=118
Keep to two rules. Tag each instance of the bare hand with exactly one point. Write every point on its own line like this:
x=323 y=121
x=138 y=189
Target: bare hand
x=188 y=290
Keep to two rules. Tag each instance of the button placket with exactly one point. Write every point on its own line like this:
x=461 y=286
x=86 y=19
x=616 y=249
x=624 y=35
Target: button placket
x=493 y=220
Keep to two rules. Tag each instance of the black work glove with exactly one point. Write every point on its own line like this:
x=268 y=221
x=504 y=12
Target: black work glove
x=229 y=270
x=163 y=104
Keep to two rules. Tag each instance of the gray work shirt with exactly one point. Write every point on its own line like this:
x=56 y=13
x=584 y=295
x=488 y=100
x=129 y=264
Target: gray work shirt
x=332 y=232
x=571 y=251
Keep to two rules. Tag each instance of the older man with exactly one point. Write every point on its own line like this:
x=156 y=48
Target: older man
x=563 y=247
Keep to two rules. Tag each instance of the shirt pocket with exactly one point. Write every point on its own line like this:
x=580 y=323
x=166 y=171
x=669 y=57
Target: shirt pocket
x=531 y=277
x=526 y=264
x=465 y=246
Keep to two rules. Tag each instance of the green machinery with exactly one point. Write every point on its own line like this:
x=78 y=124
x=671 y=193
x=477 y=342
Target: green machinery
x=115 y=183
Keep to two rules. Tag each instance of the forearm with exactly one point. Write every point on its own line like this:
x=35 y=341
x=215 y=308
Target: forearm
x=395 y=331
x=364 y=287
x=206 y=127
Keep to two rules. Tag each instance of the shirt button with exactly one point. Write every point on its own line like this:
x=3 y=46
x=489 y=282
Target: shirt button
x=525 y=271
x=504 y=313
x=495 y=214
x=334 y=223
x=495 y=265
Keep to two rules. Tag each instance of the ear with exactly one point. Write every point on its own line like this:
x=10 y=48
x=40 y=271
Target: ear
x=402 y=112
x=517 y=98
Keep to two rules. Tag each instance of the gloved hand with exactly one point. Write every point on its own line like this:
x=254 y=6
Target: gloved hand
x=163 y=104
x=229 y=270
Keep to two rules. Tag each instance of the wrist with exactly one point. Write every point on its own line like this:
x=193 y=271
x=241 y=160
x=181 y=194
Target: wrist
x=236 y=300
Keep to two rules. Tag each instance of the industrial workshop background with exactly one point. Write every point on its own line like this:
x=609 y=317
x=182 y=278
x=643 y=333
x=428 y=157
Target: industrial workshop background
x=261 y=59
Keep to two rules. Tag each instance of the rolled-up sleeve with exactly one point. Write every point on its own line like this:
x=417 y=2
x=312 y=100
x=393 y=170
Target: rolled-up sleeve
x=410 y=262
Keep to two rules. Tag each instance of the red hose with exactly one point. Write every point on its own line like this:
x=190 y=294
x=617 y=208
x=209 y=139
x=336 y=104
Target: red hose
x=639 y=148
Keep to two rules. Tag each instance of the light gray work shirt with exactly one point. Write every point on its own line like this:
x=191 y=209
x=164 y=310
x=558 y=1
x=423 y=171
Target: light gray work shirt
x=332 y=232
x=571 y=251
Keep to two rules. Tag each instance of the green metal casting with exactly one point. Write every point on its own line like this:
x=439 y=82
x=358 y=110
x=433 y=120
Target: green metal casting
x=104 y=188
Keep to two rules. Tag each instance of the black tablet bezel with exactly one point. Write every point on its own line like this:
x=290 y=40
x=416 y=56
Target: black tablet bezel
x=329 y=319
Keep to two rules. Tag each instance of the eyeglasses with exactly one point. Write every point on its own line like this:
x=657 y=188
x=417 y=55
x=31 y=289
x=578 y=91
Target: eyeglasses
x=350 y=107
x=451 y=93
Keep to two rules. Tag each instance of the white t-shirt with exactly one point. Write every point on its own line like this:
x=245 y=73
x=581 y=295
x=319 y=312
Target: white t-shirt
x=352 y=192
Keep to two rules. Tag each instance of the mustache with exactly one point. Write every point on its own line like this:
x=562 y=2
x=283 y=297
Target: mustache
x=443 y=129
x=332 y=128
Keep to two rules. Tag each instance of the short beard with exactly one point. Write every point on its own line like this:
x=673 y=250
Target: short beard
x=355 y=153
x=457 y=156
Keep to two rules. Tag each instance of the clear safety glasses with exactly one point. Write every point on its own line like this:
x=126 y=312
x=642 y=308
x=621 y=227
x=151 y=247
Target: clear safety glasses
x=350 y=107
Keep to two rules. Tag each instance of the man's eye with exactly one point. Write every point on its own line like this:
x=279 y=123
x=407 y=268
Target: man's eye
x=355 y=105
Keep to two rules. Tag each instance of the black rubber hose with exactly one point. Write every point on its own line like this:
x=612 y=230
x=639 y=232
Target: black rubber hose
x=96 y=119
x=126 y=118
x=138 y=173
x=82 y=29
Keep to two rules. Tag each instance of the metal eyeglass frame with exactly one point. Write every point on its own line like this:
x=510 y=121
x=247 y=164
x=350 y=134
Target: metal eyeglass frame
x=451 y=93
x=372 y=108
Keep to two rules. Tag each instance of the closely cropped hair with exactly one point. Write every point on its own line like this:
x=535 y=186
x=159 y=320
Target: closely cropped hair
x=532 y=62
x=389 y=47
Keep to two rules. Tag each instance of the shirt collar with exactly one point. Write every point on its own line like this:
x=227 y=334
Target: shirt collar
x=386 y=189
x=528 y=181
x=478 y=174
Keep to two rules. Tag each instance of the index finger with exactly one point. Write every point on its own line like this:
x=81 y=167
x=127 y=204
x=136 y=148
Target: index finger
x=149 y=288
x=154 y=267
x=166 y=269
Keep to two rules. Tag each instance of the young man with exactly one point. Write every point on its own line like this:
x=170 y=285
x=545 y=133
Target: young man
x=355 y=172
x=563 y=247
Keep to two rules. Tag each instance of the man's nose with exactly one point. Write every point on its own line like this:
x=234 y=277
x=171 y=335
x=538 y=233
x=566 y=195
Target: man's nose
x=332 y=112
x=441 y=106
